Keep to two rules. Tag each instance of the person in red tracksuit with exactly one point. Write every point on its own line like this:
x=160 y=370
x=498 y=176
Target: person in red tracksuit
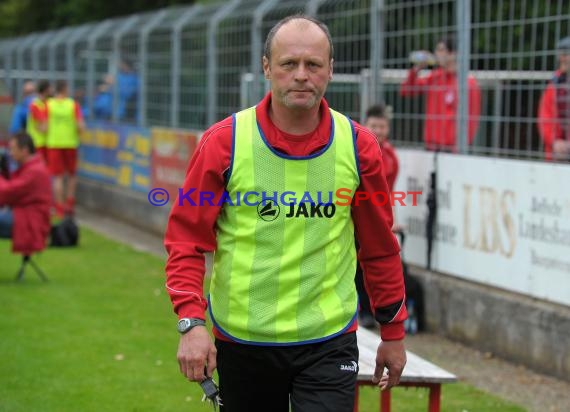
x=293 y=122
x=25 y=199
x=378 y=122
x=442 y=98
x=554 y=109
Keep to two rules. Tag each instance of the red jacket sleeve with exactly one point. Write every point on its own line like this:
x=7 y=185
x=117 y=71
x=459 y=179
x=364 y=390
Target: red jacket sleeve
x=379 y=250
x=548 y=126
x=14 y=190
x=78 y=115
x=414 y=85
x=37 y=114
x=474 y=108
x=191 y=229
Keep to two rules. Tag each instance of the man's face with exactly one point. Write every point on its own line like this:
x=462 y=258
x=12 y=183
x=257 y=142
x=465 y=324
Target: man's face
x=29 y=89
x=48 y=92
x=379 y=126
x=443 y=55
x=300 y=68
x=16 y=153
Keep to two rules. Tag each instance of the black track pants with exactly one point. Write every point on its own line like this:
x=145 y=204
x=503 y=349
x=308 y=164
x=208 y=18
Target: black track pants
x=314 y=377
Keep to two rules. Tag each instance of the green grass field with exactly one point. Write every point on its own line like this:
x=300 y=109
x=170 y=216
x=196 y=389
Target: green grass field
x=100 y=336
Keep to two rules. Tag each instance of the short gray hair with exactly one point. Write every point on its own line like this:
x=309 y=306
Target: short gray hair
x=299 y=16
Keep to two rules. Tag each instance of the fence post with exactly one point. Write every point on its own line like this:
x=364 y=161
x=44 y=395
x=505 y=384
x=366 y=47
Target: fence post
x=463 y=52
x=26 y=42
x=376 y=50
x=364 y=90
x=143 y=57
x=70 y=61
x=257 y=46
x=55 y=41
x=99 y=30
x=212 y=54
x=8 y=47
x=313 y=7
x=117 y=36
x=42 y=41
x=497 y=104
x=177 y=27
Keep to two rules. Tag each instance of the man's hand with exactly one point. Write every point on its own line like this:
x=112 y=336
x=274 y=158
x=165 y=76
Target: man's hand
x=392 y=355
x=195 y=351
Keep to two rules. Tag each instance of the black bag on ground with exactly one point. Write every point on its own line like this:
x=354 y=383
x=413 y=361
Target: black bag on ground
x=65 y=233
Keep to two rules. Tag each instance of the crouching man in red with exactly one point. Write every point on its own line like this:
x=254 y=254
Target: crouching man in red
x=25 y=199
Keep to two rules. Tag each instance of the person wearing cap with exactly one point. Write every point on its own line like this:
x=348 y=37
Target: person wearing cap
x=554 y=108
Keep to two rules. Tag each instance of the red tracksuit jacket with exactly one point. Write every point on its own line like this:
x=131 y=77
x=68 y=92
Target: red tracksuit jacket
x=191 y=229
x=442 y=99
x=554 y=112
x=28 y=193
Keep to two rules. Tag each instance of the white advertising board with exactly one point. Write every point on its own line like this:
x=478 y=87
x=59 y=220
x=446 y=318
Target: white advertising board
x=414 y=176
x=506 y=223
x=500 y=222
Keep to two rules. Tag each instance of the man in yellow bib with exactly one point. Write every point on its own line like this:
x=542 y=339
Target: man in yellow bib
x=65 y=123
x=262 y=192
x=36 y=125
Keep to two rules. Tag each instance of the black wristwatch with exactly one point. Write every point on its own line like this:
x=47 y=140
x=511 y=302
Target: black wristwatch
x=185 y=324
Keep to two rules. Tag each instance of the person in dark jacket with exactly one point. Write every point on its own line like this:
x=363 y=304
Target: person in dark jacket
x=25 y=199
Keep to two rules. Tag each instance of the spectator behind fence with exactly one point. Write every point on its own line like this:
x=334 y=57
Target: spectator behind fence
x=65 y=123
x=20 y=113
x=378 y=121
x=282 y=294
x=554 y=108
x=37 y=118
x=442 y=98
x=103 y=102
x=128 y=85
x=81 y=98
x=25 y=198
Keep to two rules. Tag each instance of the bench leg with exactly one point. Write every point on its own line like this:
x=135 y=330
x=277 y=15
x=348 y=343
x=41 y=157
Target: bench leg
x=385 y=397
x=355 y=409
x=434 y=397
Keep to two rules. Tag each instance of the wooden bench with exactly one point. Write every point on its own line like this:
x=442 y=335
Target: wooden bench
x=418 y=372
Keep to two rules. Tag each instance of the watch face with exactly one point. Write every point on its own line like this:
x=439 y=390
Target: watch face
x=183 y=324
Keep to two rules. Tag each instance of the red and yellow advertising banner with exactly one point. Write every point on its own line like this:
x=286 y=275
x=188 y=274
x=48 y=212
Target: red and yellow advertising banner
x=170 y=156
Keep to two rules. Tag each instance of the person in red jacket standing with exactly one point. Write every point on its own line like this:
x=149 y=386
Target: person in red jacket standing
x=282 y=295
x=554 y=109
x=378 y=122
x=27 y=195
x=441 y=90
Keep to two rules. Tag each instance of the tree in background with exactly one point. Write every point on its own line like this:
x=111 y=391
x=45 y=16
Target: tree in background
x=25 y=16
